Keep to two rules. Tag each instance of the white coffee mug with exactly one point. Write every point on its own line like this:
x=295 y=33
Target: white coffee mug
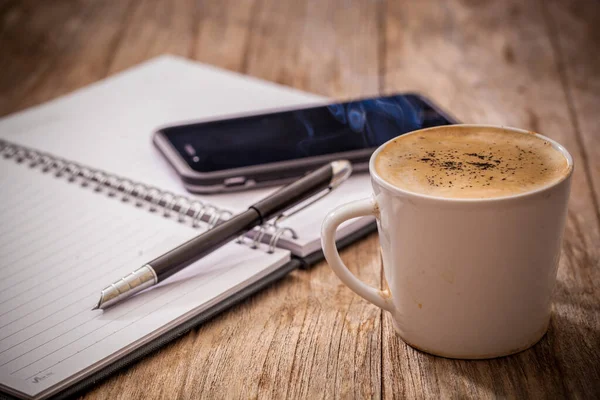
x=467 y=278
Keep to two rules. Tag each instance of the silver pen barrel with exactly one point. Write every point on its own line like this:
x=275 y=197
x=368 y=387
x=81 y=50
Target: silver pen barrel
x=127 y=286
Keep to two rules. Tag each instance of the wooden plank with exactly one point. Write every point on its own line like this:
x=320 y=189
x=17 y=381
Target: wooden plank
x=575 y=33
x=468 y=58
x=33 y=38
x=154 y=27
x=222 y=32
x=324 y=47
x=85 y=57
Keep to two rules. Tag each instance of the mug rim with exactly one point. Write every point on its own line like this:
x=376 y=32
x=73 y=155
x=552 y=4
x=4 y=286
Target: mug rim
x=555 y=145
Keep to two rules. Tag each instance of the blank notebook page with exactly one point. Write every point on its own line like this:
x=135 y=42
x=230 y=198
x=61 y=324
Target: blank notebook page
x=60 y=244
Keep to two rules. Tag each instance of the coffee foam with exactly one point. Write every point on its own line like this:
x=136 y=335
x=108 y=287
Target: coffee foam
x=470 y=162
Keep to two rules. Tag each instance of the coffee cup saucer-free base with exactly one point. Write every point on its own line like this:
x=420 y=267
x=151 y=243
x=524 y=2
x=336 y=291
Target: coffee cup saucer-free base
x=509 y=352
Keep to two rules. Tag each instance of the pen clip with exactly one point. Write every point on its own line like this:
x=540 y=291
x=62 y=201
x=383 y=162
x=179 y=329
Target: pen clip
x=301 y=206
x=341 y=170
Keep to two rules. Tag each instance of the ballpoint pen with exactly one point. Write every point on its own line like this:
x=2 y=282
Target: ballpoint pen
x=159 y=269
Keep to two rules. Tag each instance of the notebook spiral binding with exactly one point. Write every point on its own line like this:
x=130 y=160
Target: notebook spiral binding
x=275 y=233
x=171 y=205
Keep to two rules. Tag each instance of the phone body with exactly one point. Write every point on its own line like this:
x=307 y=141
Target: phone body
x=279 y=146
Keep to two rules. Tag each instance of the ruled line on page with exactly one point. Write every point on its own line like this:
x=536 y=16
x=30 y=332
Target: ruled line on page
x=21 y=289
x=68 y=246
x=42 y=237
x=52 y=264
x=125 y=312
x=21 y=224
x=29 y=192
x=107 y=276
x=58 y=271
x=27 y=212
x=46 y=330
x=29 y=198
x=81 y=310
x=95 y=330
x=192 y=288
x=157 y=299
x=36 y=231
x=56 y=287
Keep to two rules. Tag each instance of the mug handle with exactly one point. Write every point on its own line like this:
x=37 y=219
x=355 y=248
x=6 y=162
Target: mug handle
x=354 y=209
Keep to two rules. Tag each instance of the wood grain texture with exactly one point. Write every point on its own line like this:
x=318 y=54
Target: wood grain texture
x=33 y=40
x=494 y=62
x=329 y=48
x=222 y=32
x=527 y=64
x=574 y=29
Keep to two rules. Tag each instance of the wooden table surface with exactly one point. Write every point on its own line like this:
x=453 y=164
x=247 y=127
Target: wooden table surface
x=529 y=64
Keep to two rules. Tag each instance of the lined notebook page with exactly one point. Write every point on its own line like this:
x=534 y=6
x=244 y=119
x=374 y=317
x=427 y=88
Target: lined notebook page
x=60 y=244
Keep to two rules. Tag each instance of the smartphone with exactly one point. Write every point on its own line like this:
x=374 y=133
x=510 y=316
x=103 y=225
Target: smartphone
x=277 y=147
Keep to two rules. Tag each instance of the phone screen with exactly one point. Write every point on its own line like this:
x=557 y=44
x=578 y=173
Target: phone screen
x=289 y=135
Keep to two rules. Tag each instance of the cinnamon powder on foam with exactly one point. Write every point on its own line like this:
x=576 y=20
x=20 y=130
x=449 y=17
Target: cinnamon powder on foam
x=470 y=162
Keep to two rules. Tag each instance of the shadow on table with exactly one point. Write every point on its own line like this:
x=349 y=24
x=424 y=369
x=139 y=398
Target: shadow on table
x=564 y=363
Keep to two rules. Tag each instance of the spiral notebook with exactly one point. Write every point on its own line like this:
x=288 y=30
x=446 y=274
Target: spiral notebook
x=86 y=199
